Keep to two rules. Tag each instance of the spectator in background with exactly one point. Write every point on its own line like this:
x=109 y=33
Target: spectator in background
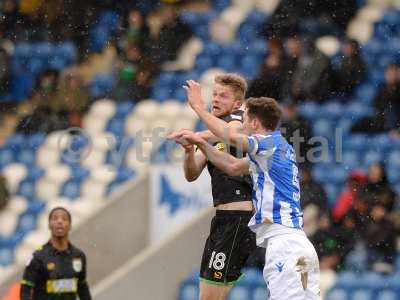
x=136 y=32
x=173 y=34
x=312 y=78
x=4 y=193
x=377 y=191
x=71 y=100
x=270 y=81
x=5 y=73
x=347 y=200
x=293 y=52
x=135 y=74
x=387 y=106
x=313 y=200
x=296 y=130
x=352 y=68
x=380 y=240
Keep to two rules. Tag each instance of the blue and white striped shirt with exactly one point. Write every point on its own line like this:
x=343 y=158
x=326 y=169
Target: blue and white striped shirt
x=276 y=190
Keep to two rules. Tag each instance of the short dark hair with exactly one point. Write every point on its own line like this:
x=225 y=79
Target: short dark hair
x=266 y=110
x=63 y=209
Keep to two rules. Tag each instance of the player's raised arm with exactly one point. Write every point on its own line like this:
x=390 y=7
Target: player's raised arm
x=218 y=127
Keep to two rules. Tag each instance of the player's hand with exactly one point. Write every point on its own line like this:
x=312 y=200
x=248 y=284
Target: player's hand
x=178 y=134
x=193 y=138
x=193 y=90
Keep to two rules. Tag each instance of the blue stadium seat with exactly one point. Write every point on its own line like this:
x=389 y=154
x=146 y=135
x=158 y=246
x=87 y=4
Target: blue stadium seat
x=235 y=48
x=191 y=18
x=27 y=188
x=331 y=110
x=357 y=110
x=247 y=33
x=323 y=127
x=220 y=5
x=332 y=191
x=101 y=85
x=393 y=280
x=42 y=50
x=57 y=63
x=22 y=50
x=258 y=47
x=124 y=108
x=251 y=277
x=6 y=157
x=124 y=174
x=110 y=20
x=203 y=63
x=161 y=93
x=348 y=279
x=337 y=294
x=239 y=293
x=27 y=157
x=116 y=126
x=338 y=174
x=202 y=32
x=365 y=93
x=387 y=295
x=260 y=293
x=308 y=109
x=355 y=142
x=67 y=51
x=351 y=160
x=189 y=292
x=180 y=95
x=256 y=18
x=34 y=141
x=6 y=256
x=79 y=173
x=371 y=157
x=250 y=66
x=26 y=223
x=16 y=142
x=98 y=38
x=35 y=207
x=212 y=49
x=394 y=158
x=362 y=294
x=71 y=189
x=35 y=65
x=227 y=63
x=34 y=173
x=166 y=79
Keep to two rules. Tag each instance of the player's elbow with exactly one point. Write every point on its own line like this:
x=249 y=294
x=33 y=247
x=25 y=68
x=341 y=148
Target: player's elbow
x=191 y=177
x=234 y=170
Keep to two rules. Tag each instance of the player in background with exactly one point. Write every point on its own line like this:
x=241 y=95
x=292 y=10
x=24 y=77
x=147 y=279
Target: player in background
x=291 y=268
x=230 y=241
x=57 y=271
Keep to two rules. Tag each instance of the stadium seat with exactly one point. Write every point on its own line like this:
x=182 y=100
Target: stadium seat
x=362 y=294
x=337 y=294
x=323 y=128
x=26 y=223
x=387 y=295
x=239 y=293
x=71 y=189
x=189 y=292
x=251 y=277
x=27 y=188
x=371 y=157
x=124 y=109
x=260 y=293
x=6 y=256
x=14 y=174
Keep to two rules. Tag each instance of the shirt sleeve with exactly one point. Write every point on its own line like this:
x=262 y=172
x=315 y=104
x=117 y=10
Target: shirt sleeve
x=261 y=146
x=30 y=278
x=83 y=287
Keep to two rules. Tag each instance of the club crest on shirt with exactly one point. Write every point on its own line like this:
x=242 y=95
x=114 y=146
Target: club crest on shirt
x=51 y=266
x=220 y=147
x=217 y=275
x=77 y=264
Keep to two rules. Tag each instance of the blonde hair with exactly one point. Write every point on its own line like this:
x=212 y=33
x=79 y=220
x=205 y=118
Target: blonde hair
x=235 y=82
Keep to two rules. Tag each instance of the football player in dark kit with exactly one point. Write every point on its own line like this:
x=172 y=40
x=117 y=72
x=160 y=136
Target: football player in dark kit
x=57 y=271
x=230 y=241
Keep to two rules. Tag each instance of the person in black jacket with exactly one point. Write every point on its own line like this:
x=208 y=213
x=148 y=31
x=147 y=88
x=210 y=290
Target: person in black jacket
x=57 y=270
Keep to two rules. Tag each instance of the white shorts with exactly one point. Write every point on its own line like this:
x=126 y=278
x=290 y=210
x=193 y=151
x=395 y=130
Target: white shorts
x=291 y=268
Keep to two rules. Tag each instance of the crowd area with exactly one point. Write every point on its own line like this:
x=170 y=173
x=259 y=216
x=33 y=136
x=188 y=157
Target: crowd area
x=366 y=213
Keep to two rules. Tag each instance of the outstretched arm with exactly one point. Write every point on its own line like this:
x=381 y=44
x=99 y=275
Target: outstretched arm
x=225 y=162
x=217 y=126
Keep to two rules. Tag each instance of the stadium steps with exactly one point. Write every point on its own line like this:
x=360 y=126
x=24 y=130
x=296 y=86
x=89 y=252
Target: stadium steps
x=166 y=264
x=125 y=213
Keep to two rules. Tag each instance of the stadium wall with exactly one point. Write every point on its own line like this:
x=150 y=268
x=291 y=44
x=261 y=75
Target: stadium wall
x=111 y=236
x=158 y=270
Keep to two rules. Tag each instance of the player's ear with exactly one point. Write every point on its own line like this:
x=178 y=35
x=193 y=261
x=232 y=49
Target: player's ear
x=237 y=104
